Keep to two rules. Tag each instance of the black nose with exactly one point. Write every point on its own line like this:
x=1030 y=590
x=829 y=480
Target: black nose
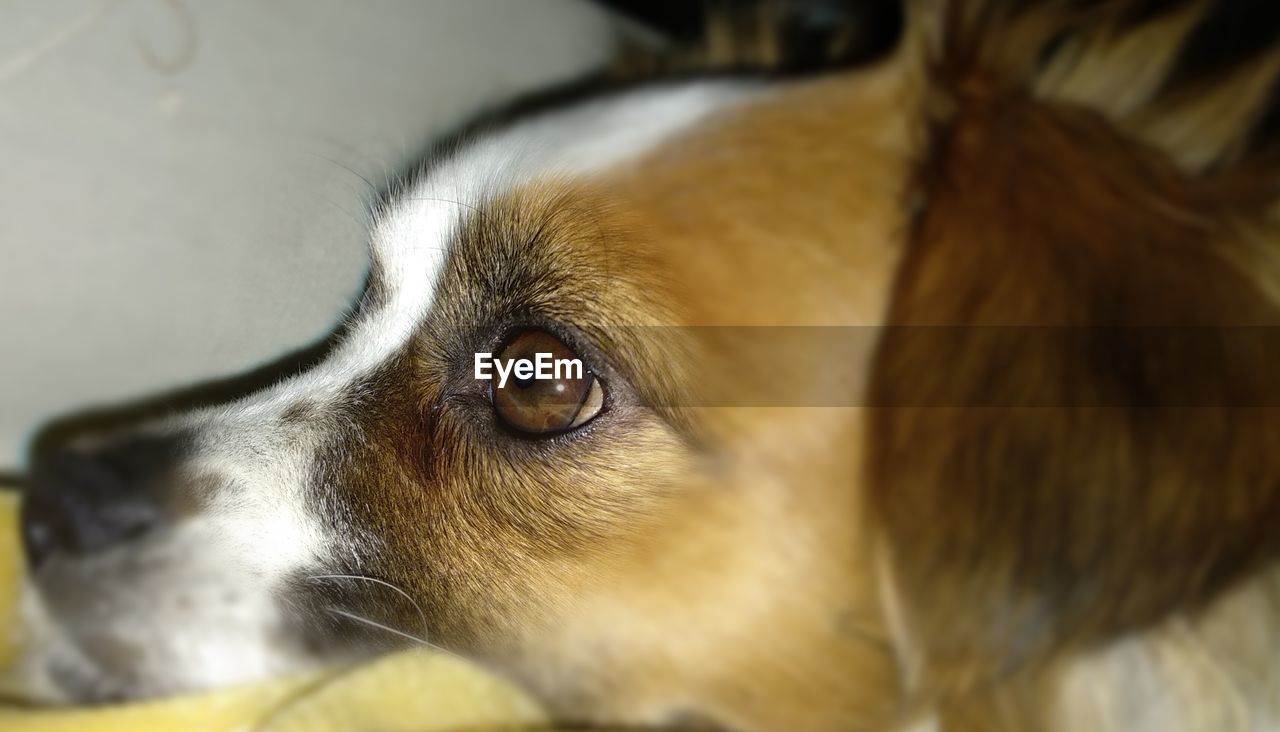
x=80 y=503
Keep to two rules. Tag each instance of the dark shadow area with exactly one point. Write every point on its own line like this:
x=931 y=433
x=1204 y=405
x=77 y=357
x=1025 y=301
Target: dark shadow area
x=870 y=28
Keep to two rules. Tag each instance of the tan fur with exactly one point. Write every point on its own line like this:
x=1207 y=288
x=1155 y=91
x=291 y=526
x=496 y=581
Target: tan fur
x=723 y=563
x=794 y=639
x=650 y=602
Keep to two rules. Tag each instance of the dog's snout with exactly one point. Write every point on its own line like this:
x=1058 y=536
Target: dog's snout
x=80 y=503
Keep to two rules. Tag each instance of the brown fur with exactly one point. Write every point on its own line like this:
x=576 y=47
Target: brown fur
x=1096 y=451
x=1060 y=327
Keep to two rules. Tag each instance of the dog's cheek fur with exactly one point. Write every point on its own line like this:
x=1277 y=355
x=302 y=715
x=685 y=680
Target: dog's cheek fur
x=492 y=541
x=491 y=534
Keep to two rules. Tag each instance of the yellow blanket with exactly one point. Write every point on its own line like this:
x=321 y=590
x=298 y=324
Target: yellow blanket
x=414 y=691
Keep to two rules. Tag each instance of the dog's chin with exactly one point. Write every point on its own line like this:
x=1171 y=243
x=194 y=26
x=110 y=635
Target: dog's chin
x=52 y=669
x=59 y=667
x=58 y=680
x=63 y=674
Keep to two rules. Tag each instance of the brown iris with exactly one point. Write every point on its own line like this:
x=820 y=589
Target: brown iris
x=569 y=398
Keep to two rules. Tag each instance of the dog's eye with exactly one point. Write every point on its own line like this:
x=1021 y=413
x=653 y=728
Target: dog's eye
x=566 y=396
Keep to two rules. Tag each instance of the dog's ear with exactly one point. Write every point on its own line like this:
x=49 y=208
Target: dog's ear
x=1076 y=423
x=774 y=36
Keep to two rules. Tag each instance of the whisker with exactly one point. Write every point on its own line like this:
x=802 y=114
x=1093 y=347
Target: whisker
x=422 y=616
x=267 y=722
x=394 y=631
x=373 y=190
x=380 y=626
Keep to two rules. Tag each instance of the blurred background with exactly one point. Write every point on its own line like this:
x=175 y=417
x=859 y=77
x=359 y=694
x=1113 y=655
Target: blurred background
x=183 y=184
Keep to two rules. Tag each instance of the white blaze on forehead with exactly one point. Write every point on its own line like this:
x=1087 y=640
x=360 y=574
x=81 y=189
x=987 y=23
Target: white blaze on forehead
x=412 y=235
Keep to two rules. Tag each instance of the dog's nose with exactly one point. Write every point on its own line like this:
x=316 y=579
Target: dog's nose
x=85 y=502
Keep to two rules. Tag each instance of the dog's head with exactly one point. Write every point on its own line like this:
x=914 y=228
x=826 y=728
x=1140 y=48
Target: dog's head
x=681 y=530
x=617 y=541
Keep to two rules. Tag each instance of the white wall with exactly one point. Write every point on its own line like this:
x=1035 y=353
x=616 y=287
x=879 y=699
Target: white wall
x=174 y=199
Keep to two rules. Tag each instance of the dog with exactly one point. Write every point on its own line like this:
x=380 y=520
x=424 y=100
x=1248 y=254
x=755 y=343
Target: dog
x=926 y=385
